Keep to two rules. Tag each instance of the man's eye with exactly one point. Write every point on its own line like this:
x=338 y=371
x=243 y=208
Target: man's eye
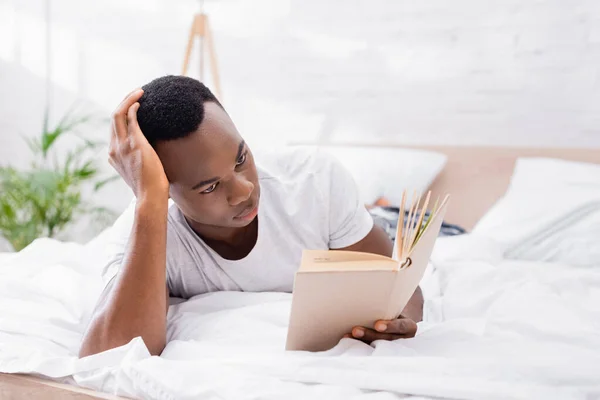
x=211 y=188
x=242 y=159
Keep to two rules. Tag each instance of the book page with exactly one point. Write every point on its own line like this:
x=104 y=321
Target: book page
x=314 y=260
x=437 y=215
x=344 y=266
x=409 y=277
x=397 y=252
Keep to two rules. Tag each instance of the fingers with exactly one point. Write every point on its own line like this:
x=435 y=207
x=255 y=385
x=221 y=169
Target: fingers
x=133 y=125
x=131 y=98
x=119 y=118
x=370 y=335
x=132 y=122
x=401 y=326
x=130 y=93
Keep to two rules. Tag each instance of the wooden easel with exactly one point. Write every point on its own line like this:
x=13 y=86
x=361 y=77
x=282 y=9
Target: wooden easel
x=201 y=28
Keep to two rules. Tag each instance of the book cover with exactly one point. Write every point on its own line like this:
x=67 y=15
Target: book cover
x=335 y=291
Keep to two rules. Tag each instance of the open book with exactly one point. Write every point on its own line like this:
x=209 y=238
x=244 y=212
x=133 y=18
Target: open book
x=335 y=291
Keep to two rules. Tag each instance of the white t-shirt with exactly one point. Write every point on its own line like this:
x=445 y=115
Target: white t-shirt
x=308 y=201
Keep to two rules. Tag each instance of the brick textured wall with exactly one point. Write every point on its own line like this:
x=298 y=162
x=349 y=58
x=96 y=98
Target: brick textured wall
x=499 y=72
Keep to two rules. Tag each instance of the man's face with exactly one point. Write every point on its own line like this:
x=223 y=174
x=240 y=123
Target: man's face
x=212 y=175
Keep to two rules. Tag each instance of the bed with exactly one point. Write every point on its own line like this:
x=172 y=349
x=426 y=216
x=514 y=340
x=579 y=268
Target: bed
x=476 y=177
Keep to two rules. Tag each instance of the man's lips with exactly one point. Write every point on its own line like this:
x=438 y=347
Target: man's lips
x=248 y=213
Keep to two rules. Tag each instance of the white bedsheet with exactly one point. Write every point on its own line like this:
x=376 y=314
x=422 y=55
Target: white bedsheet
x=496 y=327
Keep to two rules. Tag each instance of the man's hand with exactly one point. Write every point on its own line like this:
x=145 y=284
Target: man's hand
x=131 y=154
x=400 y=328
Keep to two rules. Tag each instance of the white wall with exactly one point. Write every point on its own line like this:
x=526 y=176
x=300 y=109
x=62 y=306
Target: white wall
x=499 y=72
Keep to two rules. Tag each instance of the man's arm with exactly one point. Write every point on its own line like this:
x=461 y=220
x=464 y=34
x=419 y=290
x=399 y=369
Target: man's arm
x=135 y=302
x=378 y=242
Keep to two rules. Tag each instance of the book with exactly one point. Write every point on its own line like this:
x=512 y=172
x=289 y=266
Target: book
x=335 y=290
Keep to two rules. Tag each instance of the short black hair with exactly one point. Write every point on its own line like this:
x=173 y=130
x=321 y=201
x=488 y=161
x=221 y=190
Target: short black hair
x=172 y=107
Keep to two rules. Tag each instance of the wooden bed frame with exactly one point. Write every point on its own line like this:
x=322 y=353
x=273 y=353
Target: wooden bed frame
x=476 y=177
x=20 y=386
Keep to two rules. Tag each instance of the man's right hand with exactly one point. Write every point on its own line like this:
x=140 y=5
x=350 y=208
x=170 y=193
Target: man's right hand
x=119 y=315
x=131 y=154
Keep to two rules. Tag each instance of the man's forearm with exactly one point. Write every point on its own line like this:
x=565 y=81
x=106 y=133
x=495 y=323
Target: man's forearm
x=414 y=308
x=136 y=303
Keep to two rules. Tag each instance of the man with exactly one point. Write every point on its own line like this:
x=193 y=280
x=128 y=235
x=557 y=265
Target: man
x=233 y=225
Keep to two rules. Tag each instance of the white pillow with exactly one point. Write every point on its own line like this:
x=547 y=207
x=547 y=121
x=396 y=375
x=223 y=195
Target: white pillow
x=551 y=212
x=388 y=171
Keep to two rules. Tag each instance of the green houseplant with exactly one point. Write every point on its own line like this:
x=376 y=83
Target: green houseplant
x=44 y=199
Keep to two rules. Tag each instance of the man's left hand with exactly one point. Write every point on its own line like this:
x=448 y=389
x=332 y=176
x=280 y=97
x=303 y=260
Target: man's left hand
x=401 y=328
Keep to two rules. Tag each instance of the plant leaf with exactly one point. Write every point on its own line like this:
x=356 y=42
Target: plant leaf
x=72 y=124
x=7 y=210
x=48 y=139
x=19 y=219
x=103 y=182
x=86 y=171
x=89 y=144
x=65 y=125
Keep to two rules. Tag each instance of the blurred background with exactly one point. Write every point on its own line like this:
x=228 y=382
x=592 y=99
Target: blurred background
x=415 y=72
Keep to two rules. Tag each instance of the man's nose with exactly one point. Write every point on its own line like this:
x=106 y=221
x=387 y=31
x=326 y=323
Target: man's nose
x=240 y=192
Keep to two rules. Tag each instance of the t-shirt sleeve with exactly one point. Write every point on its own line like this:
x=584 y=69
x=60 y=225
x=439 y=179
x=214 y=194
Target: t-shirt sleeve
x=349 y=220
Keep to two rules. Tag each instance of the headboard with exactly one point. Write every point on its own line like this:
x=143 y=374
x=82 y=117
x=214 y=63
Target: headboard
x=476 y=177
